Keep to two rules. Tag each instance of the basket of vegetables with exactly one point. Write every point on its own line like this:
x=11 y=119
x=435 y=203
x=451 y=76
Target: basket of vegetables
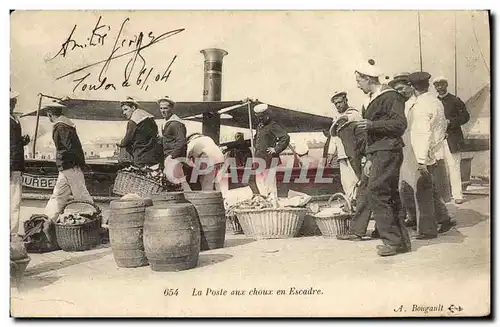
x=260 y=219
x=310 y=227
x=78 y=230
x=335 y=219
x=144 y=181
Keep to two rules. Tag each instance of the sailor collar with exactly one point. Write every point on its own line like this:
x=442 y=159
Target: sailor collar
x=383 y=89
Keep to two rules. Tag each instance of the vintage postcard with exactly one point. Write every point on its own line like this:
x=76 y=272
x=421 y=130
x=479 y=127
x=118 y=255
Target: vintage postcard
x=250 y=163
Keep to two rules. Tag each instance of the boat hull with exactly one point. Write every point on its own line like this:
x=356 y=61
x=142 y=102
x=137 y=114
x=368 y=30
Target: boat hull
x=40 y=177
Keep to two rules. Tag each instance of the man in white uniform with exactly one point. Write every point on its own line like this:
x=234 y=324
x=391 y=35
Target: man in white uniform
x=208 y=159
x=427 y=127
x=343 y=135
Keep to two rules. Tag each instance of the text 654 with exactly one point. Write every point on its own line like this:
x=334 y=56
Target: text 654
x=171 y=292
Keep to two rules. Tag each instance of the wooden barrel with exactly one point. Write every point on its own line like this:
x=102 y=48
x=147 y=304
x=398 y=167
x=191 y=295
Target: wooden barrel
x=171 y=233
x=210 y=208
x=126 y=224
x=169 y=197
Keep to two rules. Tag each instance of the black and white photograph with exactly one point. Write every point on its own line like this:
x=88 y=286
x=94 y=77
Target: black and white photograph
x=250 y=163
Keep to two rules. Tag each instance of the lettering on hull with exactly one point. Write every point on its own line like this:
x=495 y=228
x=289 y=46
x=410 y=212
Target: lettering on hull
x=39 y=182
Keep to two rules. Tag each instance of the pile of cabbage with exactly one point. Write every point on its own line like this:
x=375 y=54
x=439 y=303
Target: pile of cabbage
x=75 y=218
x=257 y=202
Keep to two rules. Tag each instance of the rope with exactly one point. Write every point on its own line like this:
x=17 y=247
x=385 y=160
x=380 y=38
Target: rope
x=478 y=45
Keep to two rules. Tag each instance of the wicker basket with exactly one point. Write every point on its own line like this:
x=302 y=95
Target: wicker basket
x=271 y=223
x=337 y=225
x=127 y=182
x=233 y=225
x=310 y=227
x=79 y=237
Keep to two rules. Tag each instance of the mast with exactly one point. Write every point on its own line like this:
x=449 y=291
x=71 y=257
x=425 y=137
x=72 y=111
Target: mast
x=419 y=42
x=455 y=50
x=251 y=129
x=36 y=126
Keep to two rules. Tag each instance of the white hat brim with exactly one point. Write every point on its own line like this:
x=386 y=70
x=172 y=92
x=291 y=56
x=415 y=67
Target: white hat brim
x=260 y=108
x=53 y=105
x=129 y=101
x=439 y=79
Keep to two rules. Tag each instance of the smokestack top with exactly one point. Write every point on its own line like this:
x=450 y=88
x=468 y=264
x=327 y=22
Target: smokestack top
x=214 y=54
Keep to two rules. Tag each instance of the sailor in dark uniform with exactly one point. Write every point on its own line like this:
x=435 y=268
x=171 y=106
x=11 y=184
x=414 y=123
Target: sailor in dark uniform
x=270 y=140
x=385 y=122
x=141 y=137
x=70 y=160
x=457 y=115
x=174 y=145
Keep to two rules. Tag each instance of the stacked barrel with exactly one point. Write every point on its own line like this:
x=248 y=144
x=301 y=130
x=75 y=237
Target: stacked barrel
x=126 y=224
x=168 y=231
x=209 y=206
x=171 y=233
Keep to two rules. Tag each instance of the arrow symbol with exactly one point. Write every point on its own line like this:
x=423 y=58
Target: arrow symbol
x=453 y=308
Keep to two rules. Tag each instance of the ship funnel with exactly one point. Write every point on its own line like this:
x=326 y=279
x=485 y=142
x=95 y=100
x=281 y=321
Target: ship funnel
x=212 y=90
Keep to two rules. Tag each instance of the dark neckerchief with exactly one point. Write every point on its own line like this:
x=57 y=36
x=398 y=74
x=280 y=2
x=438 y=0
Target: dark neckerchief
x=262 y=124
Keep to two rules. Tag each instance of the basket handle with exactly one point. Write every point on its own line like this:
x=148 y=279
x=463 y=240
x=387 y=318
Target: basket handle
x=98 y=210
x=340 y=195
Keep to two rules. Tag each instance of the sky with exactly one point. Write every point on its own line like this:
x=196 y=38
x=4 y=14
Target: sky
x=292 y=59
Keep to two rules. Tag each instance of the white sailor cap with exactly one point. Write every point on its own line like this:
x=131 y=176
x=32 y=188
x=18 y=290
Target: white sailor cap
x=338 y=93
x=440 y=79
x=13 y=94
x=129 y=100
x=52 y=104
x=260 y=108
x=368 y=68
x=166 y=99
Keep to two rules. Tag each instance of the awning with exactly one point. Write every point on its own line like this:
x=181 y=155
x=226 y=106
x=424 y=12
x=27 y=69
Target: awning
x=111 y=110
x=235 y=113
x=293 y=121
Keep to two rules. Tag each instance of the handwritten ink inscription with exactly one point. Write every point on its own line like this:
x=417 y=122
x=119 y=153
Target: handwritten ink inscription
x=136 y=71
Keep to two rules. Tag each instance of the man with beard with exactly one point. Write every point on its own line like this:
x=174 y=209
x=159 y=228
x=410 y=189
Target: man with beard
x=343 y=134
x=174 y=142
x=17 y=143
x=457 y=115
x=384 y=122
x=270 y=140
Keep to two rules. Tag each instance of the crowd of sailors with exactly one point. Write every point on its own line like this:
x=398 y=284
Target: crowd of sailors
x=388 y=153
